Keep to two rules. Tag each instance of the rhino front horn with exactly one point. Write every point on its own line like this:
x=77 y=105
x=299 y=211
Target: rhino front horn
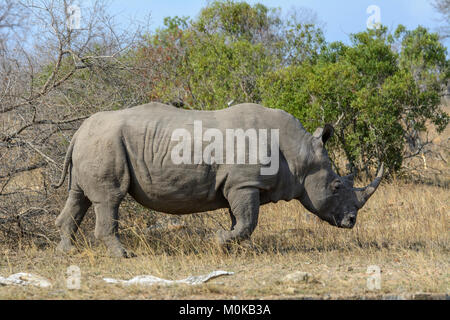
x=363 y=194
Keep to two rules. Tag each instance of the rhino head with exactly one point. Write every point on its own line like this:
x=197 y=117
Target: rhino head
x=329 y=196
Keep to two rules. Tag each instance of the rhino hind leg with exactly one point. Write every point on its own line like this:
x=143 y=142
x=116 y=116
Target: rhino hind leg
x=70 y=219
x=107 y=227
x=244 y=216
x=233 y=220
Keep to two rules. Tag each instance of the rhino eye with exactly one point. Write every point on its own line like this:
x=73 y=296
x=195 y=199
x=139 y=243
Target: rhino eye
x=336 y=185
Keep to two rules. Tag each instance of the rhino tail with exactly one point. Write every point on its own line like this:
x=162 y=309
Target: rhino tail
x=67 y=163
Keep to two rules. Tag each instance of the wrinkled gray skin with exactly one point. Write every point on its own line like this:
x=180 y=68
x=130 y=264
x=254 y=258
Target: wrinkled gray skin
x=129 y=151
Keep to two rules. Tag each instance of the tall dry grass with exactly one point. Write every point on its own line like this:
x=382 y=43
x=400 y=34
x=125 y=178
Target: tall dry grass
x=398 y=216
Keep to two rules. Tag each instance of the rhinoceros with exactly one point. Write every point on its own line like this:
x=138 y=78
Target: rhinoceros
x=140 y=151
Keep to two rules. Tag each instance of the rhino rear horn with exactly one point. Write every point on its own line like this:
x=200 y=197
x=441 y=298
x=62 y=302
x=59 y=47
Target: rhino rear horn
x=350 y=178
x=363 y=194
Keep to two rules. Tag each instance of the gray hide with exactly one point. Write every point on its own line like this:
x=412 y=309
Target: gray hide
x=129 y=151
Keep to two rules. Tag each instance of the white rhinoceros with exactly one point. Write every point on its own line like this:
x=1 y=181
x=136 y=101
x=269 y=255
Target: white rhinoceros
x=182 y=161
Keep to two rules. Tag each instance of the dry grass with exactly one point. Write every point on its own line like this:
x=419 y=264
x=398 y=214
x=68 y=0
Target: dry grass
x=403 y=229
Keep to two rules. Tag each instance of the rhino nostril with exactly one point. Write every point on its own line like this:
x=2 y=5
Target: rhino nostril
x=352 y=220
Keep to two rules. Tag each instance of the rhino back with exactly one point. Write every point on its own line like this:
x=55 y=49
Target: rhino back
x=143 y=135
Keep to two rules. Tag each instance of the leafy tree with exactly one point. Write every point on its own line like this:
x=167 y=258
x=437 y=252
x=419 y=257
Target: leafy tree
x=380 y=90
x=372 y=89
x=220 y=56
x=238 y=20
x=424 y=59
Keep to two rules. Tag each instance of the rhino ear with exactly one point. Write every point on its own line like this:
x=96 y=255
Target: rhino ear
x=324 y=133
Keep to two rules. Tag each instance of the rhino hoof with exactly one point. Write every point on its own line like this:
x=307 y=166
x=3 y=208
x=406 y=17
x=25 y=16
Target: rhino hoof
x=121 y=253
x=129 y=254
x=65 y=246
x=222 y=237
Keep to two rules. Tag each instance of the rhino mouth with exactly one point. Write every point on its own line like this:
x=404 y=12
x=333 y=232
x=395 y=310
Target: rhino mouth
x=348 y=221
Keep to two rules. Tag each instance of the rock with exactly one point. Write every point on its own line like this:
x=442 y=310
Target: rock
x=298 y=276
x=25 y=279
x=290 y=290
x=422 y=296
x=151 y=280
x=393 y=297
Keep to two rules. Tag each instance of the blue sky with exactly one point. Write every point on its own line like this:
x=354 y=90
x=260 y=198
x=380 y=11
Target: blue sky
x=340 y=18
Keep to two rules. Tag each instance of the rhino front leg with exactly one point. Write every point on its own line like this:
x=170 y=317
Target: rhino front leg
x=244 y=210
x=107 y=227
